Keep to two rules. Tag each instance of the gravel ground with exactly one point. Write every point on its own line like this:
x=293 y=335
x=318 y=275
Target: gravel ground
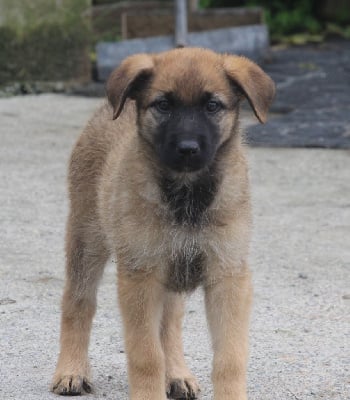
x=300 y=329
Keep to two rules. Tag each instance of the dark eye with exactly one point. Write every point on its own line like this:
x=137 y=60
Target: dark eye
x=213 y=106
x=163 y=106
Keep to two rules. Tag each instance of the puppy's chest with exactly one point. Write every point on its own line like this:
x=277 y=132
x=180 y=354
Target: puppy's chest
x=188 y=209
x=186 y=264
x=188 y=204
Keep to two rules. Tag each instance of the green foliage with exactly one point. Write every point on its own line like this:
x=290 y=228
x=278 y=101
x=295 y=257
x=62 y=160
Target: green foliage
x=296 y=21
x=205 y=3
x=290 y=16
x=286 y=22
x=283 y=17
x=221 y=3
x=336 y=30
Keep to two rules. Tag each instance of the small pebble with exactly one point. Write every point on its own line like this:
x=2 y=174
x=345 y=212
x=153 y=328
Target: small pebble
x=302 y=276
x=6 y=301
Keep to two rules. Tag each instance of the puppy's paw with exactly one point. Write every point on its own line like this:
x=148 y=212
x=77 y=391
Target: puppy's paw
x=183 y=388
x=71 y=385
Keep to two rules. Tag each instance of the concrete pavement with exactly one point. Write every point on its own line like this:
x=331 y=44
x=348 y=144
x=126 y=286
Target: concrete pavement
x=300 y=257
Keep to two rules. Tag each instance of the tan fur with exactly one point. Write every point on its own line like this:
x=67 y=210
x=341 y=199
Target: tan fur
x=117 y=208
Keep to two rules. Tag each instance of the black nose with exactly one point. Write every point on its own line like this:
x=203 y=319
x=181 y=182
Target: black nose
x=188 y=147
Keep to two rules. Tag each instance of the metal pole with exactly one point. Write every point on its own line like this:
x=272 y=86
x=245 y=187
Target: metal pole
x=194 y=5
x=180 y=23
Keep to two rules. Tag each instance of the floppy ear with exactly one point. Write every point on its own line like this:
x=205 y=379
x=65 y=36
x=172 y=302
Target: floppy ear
x=127 y=79
x=258 y=87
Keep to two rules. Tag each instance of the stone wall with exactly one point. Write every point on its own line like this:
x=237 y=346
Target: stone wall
x=44 y=40
x=147 y=24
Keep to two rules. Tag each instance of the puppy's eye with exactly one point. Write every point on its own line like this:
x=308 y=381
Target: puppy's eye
x=213 y=106
x=163 y=106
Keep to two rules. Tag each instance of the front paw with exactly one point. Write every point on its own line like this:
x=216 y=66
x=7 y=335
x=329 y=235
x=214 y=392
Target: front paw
x=183 y=388
x=71 y=385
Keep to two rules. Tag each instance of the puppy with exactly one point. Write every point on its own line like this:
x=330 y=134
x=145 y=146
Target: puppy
x=159 y=179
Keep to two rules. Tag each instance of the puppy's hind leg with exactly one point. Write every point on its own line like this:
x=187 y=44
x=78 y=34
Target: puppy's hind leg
x=86 y=257
x=180 y=382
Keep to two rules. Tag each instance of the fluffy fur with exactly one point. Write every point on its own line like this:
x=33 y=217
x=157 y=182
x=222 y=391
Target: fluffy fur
x=173 y=221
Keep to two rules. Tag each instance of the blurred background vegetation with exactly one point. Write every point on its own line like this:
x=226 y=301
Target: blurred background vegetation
x=53 y=40
x=289 y=20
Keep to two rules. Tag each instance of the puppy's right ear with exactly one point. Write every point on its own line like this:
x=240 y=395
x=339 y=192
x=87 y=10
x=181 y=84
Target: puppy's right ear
x=127 y=79
x=257 y=87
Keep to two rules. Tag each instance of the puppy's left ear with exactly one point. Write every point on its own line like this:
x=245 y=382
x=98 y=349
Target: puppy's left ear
x=257 y=86
x=127 y=79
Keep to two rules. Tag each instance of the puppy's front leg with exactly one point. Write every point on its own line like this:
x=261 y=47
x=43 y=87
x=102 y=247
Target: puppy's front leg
x=141 y=298
x=180 y=382
x=228 y=305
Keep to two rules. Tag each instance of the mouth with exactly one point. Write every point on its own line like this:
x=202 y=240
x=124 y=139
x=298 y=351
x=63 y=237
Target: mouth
x=184 y=164
x=191 y=168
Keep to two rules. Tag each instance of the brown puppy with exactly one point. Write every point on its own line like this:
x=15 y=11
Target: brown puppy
x=159 y=179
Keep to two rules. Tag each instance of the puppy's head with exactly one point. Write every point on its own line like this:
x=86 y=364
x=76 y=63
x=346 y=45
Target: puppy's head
x=188 y=101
